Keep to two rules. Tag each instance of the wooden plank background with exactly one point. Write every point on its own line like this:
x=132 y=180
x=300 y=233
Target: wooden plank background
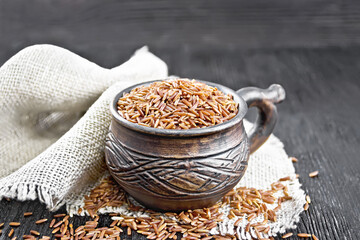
x=310 y=47
x=93 y=28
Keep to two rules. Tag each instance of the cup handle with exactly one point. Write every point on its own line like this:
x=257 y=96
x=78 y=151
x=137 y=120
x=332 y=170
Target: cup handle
x=264 y=100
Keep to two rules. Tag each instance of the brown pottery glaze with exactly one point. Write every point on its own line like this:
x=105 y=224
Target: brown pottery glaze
x=174 y=170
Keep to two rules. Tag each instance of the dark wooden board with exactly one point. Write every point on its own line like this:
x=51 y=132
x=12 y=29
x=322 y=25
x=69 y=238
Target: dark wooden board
x=317 y=61
x=95 y=28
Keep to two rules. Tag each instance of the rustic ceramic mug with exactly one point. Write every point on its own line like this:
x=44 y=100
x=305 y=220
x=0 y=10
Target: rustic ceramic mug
x=173 y=170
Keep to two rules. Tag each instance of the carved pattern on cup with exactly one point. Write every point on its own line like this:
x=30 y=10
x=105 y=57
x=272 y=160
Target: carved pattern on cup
x=176 y=178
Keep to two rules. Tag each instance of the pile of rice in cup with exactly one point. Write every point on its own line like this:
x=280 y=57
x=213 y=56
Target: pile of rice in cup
x=177 y=104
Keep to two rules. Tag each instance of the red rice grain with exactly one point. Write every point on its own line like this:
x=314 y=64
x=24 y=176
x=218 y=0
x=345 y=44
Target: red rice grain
x=314 y=237
x=304 y=235
x=314 y=174
x=35 y=233
x=41 y=221
x=287 y=235
x=27 y=214
x=11 y=232
x=14 y=224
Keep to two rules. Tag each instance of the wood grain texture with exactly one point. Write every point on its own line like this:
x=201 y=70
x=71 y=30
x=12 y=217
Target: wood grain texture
x=309 y=47
x=94 y=28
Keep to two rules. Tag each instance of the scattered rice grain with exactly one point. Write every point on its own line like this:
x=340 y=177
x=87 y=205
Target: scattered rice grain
x=284 y=179
x=11 y=232
x=287 y=235
x=308 y=200
x=306 y=206
x=314 y=237
x=52 y=223
x=41 y=221
x=314 y=174
x=35 y=233
x=14 y=224
x=304 y=235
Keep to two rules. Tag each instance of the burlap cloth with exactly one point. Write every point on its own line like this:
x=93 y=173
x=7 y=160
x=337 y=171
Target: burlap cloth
x=45 y=90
